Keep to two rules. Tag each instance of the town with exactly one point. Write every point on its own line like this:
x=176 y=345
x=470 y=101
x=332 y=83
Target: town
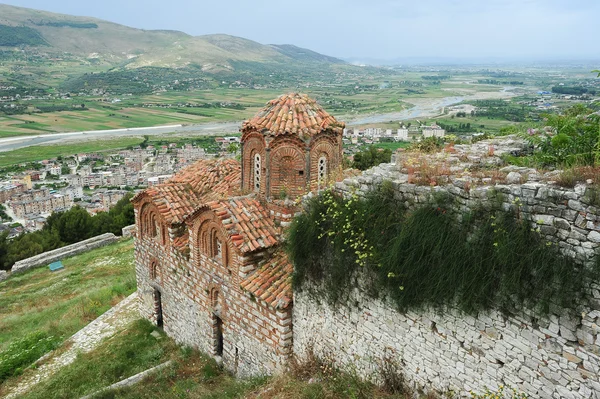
x=93 y=181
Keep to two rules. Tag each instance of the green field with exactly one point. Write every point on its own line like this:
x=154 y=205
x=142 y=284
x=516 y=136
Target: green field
x=41 y=152
x=392 y=146
x=347 y=98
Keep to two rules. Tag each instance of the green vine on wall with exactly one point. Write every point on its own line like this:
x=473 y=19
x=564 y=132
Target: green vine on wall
x=490 y=259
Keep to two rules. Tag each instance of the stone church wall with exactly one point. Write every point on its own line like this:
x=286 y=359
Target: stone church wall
x=254 y=335
x=553 y=357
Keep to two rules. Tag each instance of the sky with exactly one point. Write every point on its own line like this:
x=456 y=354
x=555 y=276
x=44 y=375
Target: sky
x=372 y=29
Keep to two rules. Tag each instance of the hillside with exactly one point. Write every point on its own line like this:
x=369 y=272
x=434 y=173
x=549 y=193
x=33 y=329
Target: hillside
x=107 y=43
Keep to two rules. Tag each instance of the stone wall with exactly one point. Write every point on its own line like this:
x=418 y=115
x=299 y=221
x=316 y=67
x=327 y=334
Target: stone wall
x=555 y=357
x=46 y=258
x=551 y=358
x=128 y=231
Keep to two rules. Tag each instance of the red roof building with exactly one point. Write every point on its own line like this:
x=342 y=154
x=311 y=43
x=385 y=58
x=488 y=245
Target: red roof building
x=209 y=263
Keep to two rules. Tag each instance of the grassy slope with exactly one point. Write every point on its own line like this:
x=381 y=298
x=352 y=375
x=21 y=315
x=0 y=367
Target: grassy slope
x=63 y=302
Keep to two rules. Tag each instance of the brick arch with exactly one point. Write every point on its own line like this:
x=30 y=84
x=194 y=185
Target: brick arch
x=287 y=171
x=155 y=270
x=210 y=240
x=216 y=299
x=151 y=223
x=253 y=144
x=326 y=147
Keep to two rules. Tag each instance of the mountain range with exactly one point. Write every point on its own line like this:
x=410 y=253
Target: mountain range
x=101 y=42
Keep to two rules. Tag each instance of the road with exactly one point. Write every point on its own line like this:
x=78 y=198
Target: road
x=13 y=143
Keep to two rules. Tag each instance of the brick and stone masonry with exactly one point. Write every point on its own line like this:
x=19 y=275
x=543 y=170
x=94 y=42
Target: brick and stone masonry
x=209 y=265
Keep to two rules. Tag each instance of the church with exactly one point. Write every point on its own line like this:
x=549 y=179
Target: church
x=210 y=265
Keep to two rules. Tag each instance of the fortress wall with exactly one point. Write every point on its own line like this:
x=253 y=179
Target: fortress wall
x=554 y=357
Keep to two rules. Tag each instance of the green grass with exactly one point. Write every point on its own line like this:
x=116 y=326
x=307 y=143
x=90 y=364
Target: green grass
x=61 y=303
x=125 y=354
x=392 y=146
x=41 y=152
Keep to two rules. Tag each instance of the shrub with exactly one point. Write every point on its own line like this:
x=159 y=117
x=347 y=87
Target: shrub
x=370 y=157
x=425 y=257
x=573 y=176
x=572 y=138
x=428 y=145
x=501 y=393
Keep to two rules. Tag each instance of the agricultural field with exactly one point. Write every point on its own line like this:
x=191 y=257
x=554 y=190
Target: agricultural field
x=41 y=152
x=55 y=97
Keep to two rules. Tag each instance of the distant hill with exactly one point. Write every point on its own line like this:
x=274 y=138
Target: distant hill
x=110 y=44
x=305 y=55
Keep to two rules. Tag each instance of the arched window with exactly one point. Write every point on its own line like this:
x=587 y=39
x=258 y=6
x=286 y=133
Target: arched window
x=154 y=270
x=322 y=172
x=212 y=244
x=257 y=171
x=163 y=235
x=216 y=247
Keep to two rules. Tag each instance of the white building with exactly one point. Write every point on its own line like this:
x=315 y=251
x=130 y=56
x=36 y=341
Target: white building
x=402 y=134
x=433 y=131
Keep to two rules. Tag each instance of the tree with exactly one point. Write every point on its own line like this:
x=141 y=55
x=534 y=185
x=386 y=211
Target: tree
x=23 y=246
x=103 y=223
x=4 y=251
x=232 y=148
x=71 y=226
x=144 y=143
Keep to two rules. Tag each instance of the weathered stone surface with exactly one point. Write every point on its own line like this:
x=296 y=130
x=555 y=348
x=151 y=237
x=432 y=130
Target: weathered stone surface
x=3 y=275
x=128 y=231
x=594 y=236
x=513 y=178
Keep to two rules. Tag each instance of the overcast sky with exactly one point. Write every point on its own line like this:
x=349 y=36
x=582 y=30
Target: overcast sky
x=379 y=29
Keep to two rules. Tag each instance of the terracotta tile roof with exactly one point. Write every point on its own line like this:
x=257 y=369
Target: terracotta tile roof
x=247 y=223
x=292 y=113
x=272 y=282
x=202 y=182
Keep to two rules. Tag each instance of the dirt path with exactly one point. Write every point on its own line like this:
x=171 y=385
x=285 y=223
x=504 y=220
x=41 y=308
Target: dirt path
x=85 y=340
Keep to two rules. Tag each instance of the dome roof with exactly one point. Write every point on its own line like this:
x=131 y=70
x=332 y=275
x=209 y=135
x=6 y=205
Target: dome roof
x=292 y=113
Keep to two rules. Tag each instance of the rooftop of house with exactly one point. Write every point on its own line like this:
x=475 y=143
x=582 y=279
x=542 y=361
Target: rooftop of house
x=293 y=113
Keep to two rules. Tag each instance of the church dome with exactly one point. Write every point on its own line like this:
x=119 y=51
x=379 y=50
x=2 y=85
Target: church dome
x=295 y=114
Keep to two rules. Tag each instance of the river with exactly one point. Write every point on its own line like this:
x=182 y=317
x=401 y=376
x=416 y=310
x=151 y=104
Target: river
x=208 y=129
x=427 y=109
